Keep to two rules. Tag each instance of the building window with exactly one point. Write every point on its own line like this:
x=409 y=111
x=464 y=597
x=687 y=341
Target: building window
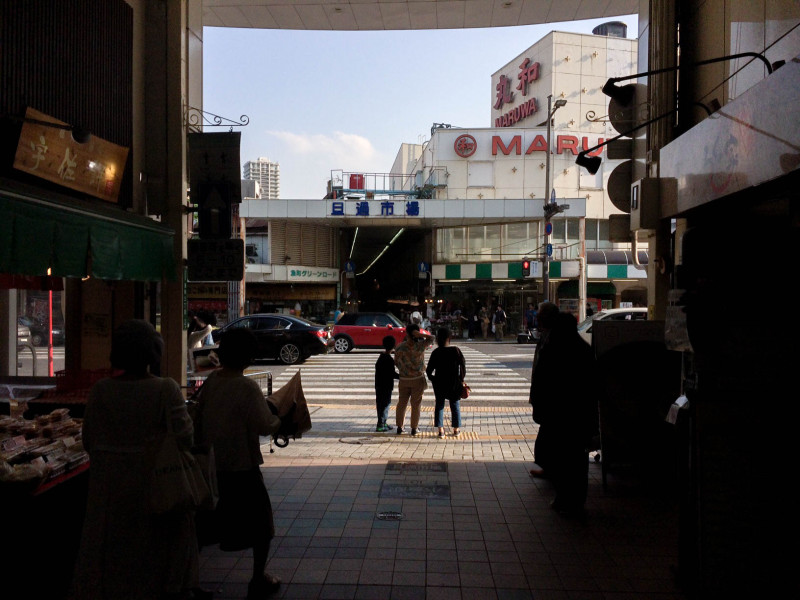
x=603 y=235
x=482 y=243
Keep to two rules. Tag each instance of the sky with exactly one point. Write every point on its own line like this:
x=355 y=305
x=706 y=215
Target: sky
x=320 y=101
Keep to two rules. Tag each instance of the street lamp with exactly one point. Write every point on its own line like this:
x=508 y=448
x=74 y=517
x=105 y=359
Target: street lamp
x=548 y=210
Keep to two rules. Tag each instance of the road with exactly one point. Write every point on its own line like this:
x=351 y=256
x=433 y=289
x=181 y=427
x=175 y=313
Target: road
x=497 y=373
x=487 y=363
x=25 y=361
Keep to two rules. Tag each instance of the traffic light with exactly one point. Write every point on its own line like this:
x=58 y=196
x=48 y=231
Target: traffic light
x=526 y=267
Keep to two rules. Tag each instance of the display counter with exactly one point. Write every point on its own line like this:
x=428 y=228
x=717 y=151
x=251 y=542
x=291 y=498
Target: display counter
x=44 y=476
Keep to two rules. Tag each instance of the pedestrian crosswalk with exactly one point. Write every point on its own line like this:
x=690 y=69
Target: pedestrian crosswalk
x=350 y=379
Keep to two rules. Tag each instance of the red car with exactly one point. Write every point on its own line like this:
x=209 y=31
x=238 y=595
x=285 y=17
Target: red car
x=366 y=330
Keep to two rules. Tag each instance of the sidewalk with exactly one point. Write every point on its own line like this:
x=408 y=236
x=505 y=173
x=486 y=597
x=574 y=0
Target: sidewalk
x=372 y=516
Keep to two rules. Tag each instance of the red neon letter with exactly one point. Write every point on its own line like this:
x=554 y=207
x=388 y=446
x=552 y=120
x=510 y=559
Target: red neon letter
x=597 y=152
x=515 y=144
x=537 y=145
x=567 y=142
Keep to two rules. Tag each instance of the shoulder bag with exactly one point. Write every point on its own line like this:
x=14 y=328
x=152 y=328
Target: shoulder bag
x=176 y=481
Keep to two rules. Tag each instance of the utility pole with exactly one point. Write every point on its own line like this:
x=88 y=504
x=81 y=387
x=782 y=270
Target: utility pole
x=550 y=206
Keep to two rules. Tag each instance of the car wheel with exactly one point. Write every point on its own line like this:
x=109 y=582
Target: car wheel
x=342 y=344
x=36 y=339
x=289 y=354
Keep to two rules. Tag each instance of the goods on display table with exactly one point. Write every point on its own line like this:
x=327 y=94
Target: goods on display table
x=36 y=452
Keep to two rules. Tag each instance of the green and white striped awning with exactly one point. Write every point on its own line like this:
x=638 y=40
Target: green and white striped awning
x=600 y=266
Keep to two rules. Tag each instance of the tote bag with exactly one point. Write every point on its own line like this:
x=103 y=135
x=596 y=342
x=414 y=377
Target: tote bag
x=176 y=479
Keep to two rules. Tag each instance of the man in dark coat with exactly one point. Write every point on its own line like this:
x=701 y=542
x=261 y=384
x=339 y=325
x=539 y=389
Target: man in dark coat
x=565 y=407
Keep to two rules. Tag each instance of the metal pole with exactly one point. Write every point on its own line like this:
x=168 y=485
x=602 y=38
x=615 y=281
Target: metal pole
x=582 y=273
x=546 y=260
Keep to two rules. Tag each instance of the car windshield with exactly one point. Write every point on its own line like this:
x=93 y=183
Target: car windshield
x=584 y=325
x=394 y=320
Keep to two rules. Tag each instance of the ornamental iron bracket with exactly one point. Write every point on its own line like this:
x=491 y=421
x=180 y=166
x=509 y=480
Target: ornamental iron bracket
x=196 y=119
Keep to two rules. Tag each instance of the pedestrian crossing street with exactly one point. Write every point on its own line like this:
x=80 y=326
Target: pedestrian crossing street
x=350 y=379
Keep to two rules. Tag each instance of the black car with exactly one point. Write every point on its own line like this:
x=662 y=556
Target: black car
x=40 y=332
x=289 y=339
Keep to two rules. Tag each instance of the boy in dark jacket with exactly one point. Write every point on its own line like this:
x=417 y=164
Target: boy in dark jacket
x=385 y=375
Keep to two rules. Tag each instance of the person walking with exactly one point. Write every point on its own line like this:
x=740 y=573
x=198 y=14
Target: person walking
x=565 y=406
x=233 y=413
x=125 y=550
x=410 y=360
x=385 y=375
x=484 y=317
x=446 y=370
x=499 y=321
x=530 y=318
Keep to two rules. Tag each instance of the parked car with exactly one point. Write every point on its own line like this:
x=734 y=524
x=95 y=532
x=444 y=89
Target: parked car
x=286 y=338
x=39 y=332
x=23 y=334
x=366 y=330
x=614 y=314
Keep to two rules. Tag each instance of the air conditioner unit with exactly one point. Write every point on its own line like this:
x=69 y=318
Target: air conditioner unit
x=645 y=204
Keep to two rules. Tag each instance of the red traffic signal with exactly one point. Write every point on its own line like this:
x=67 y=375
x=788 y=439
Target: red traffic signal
x=526 y=268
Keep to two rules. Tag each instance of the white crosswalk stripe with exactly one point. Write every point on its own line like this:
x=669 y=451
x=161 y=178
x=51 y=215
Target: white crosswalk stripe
x=351 y=377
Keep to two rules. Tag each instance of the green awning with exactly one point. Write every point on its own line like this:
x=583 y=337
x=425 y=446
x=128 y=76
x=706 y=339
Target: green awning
x=569 y=289
x=74 y=241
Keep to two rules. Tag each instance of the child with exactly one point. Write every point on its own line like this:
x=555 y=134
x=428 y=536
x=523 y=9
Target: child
x=384 y=383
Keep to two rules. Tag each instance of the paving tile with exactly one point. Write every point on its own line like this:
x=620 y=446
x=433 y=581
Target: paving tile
x=373 y=592
x=444 y=593
x=302 y=591
x=443 y=579
x=408 y=592
x=477 y=593
x=337 y=592
x=336 y=576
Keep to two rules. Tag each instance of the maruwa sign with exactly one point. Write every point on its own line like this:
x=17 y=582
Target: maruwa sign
x=563 y=144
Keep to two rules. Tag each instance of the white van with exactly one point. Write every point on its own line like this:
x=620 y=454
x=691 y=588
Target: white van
x=615 y=314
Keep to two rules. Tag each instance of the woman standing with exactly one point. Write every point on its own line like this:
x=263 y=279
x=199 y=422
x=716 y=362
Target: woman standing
x=446 y=370
x=126 y=552
x=232 y=414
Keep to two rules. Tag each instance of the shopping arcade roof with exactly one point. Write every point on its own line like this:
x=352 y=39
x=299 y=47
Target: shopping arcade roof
x=373 y=15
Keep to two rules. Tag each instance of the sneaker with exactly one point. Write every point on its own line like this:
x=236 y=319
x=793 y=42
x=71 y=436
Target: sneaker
x=414 y=431
x=441 y=433
x=399 y=430
x=383 y=429
x=456 y=433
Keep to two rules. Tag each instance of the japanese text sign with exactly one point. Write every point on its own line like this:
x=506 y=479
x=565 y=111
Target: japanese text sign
x=95 y=167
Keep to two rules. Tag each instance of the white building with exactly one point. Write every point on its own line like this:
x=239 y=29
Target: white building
x=467 y=206
x=499 y=173
x=267 y=173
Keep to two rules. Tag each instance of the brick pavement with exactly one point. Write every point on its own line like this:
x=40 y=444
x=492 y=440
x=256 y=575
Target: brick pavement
x=372 y=516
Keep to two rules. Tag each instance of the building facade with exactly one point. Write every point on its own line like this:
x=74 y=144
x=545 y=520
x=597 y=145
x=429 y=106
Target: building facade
x=475 y=197
x=267 y=173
